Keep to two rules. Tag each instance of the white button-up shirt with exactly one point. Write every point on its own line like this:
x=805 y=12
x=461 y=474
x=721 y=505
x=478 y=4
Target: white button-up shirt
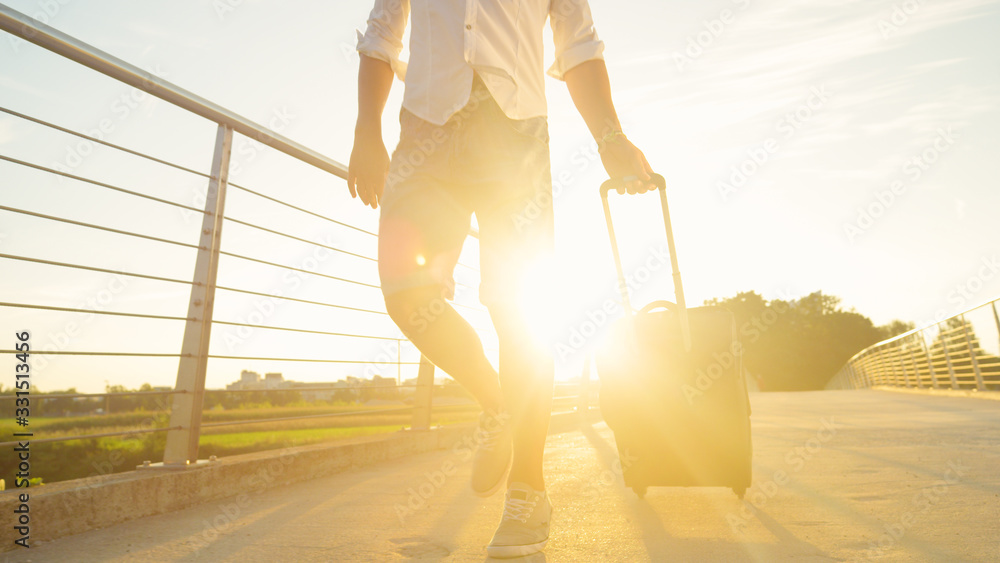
x=501 y=40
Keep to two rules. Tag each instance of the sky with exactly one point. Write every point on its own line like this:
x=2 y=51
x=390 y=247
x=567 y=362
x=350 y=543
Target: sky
x=846 y=146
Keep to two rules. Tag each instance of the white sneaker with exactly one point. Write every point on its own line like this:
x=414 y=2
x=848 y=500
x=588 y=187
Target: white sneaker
x=524 y=528
x=493 y=456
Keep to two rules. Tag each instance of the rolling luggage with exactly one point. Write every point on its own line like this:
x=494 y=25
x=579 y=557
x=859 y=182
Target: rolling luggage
x=672 y=387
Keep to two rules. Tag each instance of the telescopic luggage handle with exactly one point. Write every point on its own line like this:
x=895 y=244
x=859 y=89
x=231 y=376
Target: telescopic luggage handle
x=661 y=184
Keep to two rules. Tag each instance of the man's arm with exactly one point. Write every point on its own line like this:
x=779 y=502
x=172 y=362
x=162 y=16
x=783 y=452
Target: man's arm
x=590 y=88
x=379 y=48
x=369 y=163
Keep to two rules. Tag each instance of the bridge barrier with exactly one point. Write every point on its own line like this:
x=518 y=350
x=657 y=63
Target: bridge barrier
x=961 y=352
x=354 y=297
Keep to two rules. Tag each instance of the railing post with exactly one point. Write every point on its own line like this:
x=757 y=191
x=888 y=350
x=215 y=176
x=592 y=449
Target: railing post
x=866 y=370
x=424 y=396
x=879 y=368
x=930 y=364
x=947 y=359
x=913 y=359
x=972 y=355
x=902 y=363
x=182 y=444
x=913 y=364
x=858 y=379
x=892 y=366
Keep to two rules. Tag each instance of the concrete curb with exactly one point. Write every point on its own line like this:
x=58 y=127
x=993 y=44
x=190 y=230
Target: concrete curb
x=70 y=507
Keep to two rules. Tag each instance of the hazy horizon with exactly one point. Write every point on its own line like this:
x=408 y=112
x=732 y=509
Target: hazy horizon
x=842 y=147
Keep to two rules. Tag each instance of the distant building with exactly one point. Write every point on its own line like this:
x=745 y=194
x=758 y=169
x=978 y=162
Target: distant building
x=274 y=381
x=248 y=377
x=318 y=391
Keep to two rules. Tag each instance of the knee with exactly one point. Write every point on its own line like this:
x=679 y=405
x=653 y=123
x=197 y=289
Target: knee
x=399 y=306
x=414 y=309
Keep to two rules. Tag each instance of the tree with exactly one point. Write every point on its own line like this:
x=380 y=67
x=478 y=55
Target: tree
x=799 y=344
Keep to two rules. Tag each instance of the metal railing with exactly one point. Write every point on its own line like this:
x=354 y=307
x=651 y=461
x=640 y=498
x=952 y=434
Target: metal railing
x=960 y=352
x=187 y=397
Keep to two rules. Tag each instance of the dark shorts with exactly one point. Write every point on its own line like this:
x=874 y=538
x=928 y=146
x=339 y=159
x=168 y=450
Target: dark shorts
x=479 y=162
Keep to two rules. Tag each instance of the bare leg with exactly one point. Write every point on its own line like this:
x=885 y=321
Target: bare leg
x=526 y=377
x=445 y=338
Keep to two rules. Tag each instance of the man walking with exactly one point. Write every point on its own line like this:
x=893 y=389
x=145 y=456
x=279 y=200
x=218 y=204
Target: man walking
x=474 y=139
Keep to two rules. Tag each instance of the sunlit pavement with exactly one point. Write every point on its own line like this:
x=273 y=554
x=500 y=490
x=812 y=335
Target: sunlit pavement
x=838 y=476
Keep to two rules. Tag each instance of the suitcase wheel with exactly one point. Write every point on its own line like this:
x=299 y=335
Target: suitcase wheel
x=740 y=492
x=640 y=491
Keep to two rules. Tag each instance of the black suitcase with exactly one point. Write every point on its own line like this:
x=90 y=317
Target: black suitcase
x=672 y=387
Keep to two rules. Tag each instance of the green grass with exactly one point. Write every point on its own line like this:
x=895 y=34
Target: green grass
x=265 y=440
x=58 y=461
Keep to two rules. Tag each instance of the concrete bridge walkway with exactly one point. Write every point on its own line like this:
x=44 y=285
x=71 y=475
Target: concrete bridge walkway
x=838 y=476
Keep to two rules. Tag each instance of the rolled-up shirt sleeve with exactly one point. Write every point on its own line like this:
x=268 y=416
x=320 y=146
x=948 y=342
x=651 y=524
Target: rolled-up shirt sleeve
x=383 y=39
x=574 y=35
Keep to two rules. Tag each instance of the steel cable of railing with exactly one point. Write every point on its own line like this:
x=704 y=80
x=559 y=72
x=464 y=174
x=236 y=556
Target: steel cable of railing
x=303 y=210
x=98 y=353
x=99 y=184
x=103 y=142
x=300 y=239
x=298 y=300
x=111 y=394
x=182 y=244
x=190 y=388
x=329 y=219
x=315 y=360
x=307 y=388
x=306 y=331
x=96 y=227
x=307 y=416
x=94 y=269
x=94 y=436
x=300 y=270
x=94 y=311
